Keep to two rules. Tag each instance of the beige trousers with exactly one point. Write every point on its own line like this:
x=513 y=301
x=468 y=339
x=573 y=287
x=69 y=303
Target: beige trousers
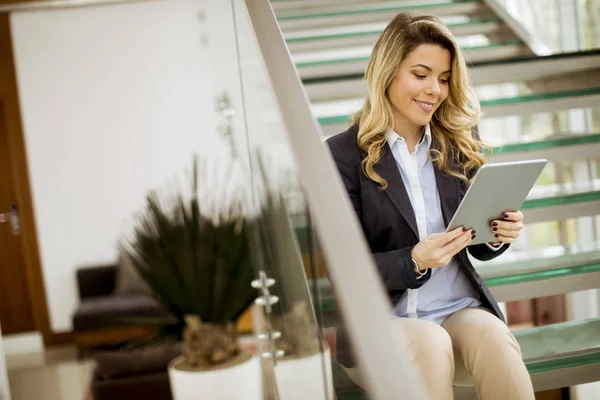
x=472 y=341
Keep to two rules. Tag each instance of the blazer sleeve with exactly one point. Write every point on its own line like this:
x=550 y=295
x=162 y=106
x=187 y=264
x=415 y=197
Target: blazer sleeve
x=481 y=251
x=398 y=271
x=395 y=267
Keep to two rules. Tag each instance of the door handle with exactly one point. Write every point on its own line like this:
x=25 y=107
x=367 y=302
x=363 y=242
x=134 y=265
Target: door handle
x=12 y=217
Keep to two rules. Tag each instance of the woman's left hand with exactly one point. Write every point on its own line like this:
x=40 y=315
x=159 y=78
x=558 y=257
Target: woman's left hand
x=507 y=230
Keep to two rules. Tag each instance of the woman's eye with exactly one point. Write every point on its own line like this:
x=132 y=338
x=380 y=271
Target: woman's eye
x=444 y=81
x=420 y=76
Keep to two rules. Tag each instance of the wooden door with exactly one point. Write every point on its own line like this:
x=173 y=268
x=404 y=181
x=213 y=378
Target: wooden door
x=16 y=311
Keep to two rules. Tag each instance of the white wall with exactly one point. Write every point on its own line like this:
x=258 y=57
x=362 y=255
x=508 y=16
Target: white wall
x=114 y=100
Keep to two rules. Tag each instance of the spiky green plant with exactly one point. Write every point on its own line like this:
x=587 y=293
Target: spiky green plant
x=193 y=264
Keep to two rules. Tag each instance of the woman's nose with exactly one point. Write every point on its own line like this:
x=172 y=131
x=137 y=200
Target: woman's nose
x=434 y=88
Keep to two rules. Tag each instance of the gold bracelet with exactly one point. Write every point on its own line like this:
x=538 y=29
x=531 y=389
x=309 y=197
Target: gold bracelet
x=418 y=270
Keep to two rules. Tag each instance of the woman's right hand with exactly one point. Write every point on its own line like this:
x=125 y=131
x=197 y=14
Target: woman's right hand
x=437 y=249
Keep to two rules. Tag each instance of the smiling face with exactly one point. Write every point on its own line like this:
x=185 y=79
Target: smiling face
x=419 y=87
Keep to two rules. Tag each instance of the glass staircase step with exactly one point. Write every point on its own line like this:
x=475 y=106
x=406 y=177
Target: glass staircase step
x=562 y=194
x=366 y=35
x=448 y=7
x=556 y=147
x=516 y=262
x=540 y=96
x=344 y=85
x=362 y=54
x=534 y=273
x=555 y=346
x=335 y=33
x=294 y=6
x=534 y=67
x=370 y=30
x=544 y=198
x=562 y=201
x=334 y=116
x=525 y=274
x=538 y=266
x=545 y=349
x=548 y=349
x=337 y=112
x=365 y=14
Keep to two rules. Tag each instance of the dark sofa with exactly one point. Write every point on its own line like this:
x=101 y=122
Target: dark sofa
x=103 y=319
x=104 y=315
x=101 y=307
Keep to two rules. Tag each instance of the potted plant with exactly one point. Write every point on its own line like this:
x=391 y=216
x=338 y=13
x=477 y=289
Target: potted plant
x=193 y=251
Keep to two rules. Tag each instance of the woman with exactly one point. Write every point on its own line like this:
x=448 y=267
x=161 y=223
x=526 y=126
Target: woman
x=406 y=162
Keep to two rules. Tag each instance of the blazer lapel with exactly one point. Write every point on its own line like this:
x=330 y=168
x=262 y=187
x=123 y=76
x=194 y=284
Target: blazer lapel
x=396 y=190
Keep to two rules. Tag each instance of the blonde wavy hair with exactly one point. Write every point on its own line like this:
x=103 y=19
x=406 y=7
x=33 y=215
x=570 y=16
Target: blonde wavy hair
x=457 y=150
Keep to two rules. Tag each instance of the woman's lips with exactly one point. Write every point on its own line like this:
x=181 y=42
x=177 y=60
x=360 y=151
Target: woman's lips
x=426 y=106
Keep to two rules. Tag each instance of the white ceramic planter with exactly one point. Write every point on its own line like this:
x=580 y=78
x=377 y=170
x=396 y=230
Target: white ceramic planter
x=243 y=381
x=305 y=378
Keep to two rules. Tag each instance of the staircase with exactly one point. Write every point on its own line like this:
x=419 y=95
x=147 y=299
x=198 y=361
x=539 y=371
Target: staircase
x=523 y=88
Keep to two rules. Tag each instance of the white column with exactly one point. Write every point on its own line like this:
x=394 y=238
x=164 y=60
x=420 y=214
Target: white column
x=4 y=388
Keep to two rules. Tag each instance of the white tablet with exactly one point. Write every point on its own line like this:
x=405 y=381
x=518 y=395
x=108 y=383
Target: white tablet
x=496 y=188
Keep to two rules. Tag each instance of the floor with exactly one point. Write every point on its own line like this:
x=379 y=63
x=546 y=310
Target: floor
x=54 y=374
x=38 y=373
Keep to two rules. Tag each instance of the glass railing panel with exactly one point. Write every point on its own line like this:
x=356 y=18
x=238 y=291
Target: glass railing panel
x=111 y=140
x=292 y=244
x=297 y=358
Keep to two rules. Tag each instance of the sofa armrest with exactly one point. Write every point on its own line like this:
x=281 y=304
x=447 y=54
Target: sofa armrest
x=96 y=281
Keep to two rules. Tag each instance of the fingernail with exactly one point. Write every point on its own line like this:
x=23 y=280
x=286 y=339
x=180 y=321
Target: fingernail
x=472 y=237
x=474 y=232
x=494 y=224
x=494 y=229
x=464 y=229
x=496 y=235
x=505 y=215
